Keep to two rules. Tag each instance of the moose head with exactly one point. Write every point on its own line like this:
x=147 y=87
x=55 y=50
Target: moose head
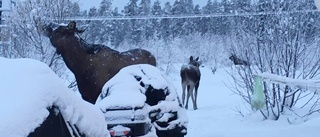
x=194 y=62
x=60 y=30
x=55 y=32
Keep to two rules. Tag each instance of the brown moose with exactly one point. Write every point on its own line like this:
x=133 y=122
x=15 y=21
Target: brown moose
x=190 y=79
x=92 y=66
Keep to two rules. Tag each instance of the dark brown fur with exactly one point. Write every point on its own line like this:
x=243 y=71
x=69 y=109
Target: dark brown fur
x=190 y=79
x=238 y=61
x=92 y=69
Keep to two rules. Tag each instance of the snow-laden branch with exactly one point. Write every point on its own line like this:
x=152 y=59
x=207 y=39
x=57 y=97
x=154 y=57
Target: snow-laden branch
x=299 y=83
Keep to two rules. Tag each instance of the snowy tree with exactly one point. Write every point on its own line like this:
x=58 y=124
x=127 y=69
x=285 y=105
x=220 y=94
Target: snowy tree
x=223 y=27
x=27 y=31
x=144 y=8
x=94 y=26
x=75 y=10
x=102 y=34
x=177 y=9
x=197 y=21
x=156 y=11
x=146 y=28
x=131 y=9
x=226 y=6
x=132 y=26
x=238 y=23
x=197 y=9
x=97 y=33
x=241 y=6
x=105 y=8
x=208 y=25
x=156 y=8
x=93 y=12
x=166 y=31
x=117 y=32
x=27 y=40
x=182 y=26
x=189 y=24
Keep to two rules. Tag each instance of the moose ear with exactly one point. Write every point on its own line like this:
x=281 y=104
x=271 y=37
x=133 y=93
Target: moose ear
x=191 y=58
x=80 y=30
x=197 y=59
x=72 y=25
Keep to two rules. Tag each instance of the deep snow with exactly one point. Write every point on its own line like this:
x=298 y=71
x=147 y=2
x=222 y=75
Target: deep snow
x=216 y=116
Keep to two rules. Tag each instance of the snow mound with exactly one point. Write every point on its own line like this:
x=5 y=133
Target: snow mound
x=28 y=87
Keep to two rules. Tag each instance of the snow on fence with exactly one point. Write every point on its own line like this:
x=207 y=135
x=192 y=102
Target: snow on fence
x=313 y=85
x=258 y=99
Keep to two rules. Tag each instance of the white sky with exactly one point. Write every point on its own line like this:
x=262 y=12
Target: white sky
x=87 y=4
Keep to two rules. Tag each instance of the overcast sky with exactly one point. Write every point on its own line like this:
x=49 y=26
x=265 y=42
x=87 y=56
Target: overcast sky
x=87 y=4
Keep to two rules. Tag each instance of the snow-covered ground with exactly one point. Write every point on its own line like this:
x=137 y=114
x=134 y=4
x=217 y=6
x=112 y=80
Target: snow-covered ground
x=215 y=117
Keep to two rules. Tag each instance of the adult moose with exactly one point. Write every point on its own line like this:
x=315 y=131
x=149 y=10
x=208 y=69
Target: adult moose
x=92 y=67
x=190 y=78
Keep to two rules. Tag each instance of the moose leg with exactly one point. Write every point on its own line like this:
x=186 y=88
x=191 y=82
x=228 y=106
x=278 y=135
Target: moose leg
x=183 y=92
x=196 y=96
x=188 y=96
x=193 y=99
